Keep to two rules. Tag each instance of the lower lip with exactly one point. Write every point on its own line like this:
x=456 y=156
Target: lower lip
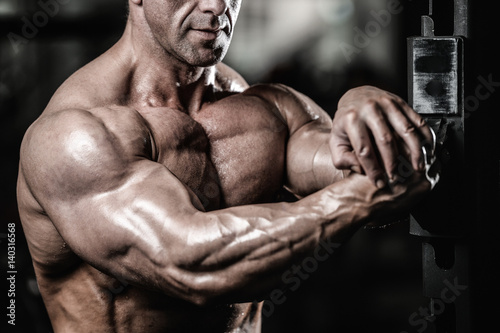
x=209 y=35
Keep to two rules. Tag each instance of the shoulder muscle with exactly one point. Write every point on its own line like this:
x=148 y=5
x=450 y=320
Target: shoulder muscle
x=74 y=151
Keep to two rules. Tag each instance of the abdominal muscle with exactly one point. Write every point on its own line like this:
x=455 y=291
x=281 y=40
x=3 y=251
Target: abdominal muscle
x=87 y=300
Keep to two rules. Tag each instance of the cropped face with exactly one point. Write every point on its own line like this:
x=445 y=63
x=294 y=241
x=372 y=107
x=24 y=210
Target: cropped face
x=196 y=32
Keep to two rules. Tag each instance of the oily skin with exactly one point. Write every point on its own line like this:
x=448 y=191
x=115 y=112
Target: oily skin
x=147 y=188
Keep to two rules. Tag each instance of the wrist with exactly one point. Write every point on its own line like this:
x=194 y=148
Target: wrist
x=358 y=194
x=345 y=205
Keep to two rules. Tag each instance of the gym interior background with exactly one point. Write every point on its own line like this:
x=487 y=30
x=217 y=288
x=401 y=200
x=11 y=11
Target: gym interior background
x=321 y=48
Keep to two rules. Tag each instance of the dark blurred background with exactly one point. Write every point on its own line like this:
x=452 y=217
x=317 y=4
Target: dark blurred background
x=373 y=284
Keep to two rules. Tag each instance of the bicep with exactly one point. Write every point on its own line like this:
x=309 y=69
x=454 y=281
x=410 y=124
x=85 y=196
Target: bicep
x=309 y=160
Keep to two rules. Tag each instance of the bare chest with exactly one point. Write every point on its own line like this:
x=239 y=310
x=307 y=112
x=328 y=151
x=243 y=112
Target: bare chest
x=230 y=153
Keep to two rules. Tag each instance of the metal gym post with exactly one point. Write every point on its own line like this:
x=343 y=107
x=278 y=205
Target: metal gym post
x=437 y=86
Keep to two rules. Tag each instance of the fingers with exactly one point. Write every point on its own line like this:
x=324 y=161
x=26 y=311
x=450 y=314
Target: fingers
x=413 y=130
x=385 y=141
x=352 y=148
x=371 y=133
x=407 y=125
x=427 y=135
x=365 y=152
x=404 y=124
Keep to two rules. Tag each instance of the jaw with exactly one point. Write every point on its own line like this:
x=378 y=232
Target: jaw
x=201 y=44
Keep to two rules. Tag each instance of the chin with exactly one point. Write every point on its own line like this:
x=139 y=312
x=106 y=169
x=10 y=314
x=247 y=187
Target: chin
x=209 y=56
x=206 y=62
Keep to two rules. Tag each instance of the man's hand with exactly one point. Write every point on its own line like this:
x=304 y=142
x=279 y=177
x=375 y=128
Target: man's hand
x=372 y=129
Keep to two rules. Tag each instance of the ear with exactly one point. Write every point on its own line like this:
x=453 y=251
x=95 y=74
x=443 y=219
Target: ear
x=137 y=2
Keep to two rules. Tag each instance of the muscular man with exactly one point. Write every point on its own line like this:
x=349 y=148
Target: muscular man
x=147 y=188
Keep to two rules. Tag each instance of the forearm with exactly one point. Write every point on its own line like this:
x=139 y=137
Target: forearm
x=157 y=239
x=248 y=248
x=149 y=233
x=160 y=241
x=245 y=250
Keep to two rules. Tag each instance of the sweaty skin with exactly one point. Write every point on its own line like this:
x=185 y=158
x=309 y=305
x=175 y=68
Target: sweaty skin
x=148 y=187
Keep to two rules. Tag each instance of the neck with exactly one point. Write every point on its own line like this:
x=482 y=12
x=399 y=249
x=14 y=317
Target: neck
x=157 y=79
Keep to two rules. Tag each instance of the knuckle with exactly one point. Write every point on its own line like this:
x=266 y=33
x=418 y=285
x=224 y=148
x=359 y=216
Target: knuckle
x=387 y=99
x=351 y=115
x=408 y=129
x=386 y=139
x=345 y=115
x=371 y=105
x=397 y=99
x=364 y=151
x=421 y=122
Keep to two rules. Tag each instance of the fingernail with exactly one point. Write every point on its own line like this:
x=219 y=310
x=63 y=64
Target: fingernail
x=380 y=183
